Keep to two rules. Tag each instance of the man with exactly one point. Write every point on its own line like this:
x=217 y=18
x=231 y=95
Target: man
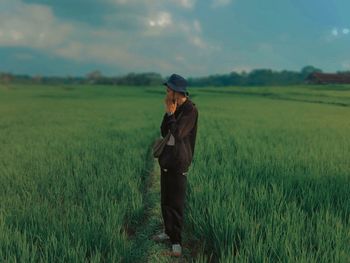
x=180 y=119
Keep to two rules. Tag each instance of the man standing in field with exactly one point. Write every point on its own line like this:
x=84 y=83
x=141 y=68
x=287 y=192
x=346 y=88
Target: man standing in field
x=180 y=119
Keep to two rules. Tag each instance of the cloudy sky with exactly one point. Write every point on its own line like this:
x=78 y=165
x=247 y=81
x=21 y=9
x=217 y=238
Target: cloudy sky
x=189 y=37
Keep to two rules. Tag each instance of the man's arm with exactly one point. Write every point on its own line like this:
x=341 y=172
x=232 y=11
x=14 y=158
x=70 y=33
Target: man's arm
x=182 y=127
x=164 y=126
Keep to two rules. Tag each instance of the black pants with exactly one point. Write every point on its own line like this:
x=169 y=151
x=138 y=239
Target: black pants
x=173 y=193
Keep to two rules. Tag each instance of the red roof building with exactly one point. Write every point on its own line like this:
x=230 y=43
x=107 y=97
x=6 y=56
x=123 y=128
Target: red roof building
x=328 y=78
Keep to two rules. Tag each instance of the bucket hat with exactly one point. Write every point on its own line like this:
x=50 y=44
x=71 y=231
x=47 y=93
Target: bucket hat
x=177 y=83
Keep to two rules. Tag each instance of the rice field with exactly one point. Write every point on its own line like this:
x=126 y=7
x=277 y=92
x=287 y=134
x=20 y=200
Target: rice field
x=269 y=181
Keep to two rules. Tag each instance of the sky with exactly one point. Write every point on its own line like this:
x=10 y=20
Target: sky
x=188 y=37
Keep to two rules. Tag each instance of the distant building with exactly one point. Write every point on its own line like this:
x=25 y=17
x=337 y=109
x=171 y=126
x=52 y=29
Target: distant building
x=328 y=78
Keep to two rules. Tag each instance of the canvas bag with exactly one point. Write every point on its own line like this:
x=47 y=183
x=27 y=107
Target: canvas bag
x=160 y=143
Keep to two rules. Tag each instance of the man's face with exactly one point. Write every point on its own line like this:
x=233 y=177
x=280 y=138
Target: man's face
x=170 y=92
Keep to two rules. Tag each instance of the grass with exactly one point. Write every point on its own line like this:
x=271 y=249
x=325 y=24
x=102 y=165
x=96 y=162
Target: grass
x=71 y=173
x=269 y=181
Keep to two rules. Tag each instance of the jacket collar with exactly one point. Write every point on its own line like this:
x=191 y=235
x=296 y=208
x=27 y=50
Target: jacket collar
x=184 y=105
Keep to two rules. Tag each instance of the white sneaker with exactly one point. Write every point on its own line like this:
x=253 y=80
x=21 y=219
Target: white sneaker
x=176 y=250
x=161 y=237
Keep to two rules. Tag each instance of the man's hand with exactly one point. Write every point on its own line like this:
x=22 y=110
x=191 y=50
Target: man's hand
x=170 y=107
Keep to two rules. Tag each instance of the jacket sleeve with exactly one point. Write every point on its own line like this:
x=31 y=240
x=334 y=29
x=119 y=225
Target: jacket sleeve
x=182 y=127
x=164 y=126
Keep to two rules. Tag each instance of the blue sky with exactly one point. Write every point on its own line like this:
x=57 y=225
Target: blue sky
x=189 y=37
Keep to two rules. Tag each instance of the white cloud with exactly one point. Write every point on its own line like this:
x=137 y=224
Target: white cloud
x=149 y=4
x=346 y=31
x=265 y=47
x=16 y=36
x=179 y=58
x=186 y=3
x=111 y=55
x=219 y=3
x=242 y=68
x=197 y=26
x=123 y=2
x=72 y=50
x=198 y=42
x=181 y=29
x=142 y=43
x=163 y=19
x=23 y=56
x=345 y=65
x=35 y=26
x=31 y=25
x=95 y=52
x=335 y=32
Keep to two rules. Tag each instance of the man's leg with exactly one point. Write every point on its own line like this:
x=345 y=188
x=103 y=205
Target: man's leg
x=175 y=203
x=164 y=197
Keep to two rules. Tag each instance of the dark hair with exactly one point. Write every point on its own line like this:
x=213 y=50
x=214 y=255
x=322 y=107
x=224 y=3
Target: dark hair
x=185 y=94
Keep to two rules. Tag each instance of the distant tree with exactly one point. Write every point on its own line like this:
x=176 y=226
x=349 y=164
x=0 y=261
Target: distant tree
x=140 y=79
x=257 y=77
x=38 y=79
x=260 y=77
x=344 y=72
x=235 y=79
x=6 y=77
x=307 y=70
x=94 y=76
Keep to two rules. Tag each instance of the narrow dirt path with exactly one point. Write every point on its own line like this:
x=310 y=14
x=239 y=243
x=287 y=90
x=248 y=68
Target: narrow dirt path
x=144 y=248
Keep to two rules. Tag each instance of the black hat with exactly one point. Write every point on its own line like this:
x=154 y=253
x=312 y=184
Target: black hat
x=177 y=83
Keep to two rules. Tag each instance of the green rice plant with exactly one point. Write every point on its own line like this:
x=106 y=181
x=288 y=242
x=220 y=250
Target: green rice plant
x=270 y=180
x=72 y=170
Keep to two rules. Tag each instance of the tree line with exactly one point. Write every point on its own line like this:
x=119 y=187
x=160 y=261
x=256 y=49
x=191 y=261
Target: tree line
x=257 y=77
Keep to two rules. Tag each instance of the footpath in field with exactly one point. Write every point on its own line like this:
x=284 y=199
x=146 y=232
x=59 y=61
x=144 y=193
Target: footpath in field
x=144 y=248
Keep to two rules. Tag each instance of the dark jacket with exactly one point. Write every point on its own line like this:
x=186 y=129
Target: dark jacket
x=178 y=157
